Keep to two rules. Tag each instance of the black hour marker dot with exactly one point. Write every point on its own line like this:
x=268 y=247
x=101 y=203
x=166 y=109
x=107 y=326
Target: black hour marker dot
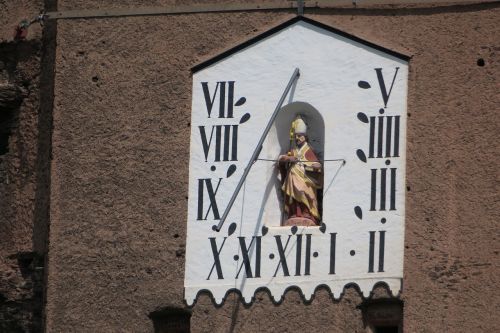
x=245 y=118
x=241 y=101
x=352 y=253
x=387 y=162
x=383 y=220
x=364 y=85
x=271 y=256
x=231 y=170
x=212 y=168
x=362 y=117
x=315 y=254
x=359 y=212
x=381 y=111
x=236 y=257
x=231 y=229
x=361 y=155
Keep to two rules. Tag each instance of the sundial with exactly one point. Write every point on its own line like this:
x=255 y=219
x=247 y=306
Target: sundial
x=297 y=166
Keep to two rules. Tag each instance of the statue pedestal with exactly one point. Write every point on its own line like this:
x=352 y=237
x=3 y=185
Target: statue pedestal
x=300 y=222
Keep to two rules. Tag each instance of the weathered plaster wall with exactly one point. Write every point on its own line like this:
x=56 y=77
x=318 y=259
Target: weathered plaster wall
x=119 y=170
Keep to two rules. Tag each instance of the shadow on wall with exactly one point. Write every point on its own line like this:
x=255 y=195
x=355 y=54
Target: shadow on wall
x=21 y=279
x=26 y=95
x=171 y=320
x=383 y=315
x=11 y=96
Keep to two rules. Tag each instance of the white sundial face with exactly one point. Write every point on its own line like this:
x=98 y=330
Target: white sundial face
x=325 y=207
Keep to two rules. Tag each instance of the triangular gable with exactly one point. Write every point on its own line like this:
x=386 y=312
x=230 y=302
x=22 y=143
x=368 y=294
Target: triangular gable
x=286 y=24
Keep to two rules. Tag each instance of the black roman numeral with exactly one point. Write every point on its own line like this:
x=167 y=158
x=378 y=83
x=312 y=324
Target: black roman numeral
x=333 y=245
x=307 y=257
x=381 y=250
x=281 y=251
x=246 y=257
x=216 y=254
x=385 y=94
x=382 y=190
x=226 y=142
x=226 y=105
x=202 y=184
x=377 y=136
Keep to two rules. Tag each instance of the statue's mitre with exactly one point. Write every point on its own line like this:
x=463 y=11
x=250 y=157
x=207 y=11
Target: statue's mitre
x=299 y=126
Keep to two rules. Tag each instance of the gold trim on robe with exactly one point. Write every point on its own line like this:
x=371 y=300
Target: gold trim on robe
x=303 y=180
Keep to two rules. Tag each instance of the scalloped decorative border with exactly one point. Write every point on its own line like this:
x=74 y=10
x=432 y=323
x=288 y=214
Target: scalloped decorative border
x=365 y=289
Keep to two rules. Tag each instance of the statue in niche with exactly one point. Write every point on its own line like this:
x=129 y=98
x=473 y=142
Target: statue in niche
x=301 y=177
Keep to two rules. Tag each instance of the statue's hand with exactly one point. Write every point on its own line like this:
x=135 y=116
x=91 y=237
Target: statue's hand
x=286 y=158
x=316 y=165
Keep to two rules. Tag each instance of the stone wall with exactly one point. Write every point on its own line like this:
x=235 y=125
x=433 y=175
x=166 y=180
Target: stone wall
x=119 y=175
x=21 y=268
x=118 y=178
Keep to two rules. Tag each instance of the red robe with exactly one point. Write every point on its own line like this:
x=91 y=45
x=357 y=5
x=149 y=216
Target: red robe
x=300 y=184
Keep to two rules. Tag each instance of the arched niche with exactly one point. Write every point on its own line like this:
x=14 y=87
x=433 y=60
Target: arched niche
x=278 y=143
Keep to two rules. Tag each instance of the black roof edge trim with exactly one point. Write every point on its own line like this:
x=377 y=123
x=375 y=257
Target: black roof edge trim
x=285 y=24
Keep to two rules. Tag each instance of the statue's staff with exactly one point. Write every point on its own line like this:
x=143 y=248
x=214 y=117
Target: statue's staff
x=287 y=166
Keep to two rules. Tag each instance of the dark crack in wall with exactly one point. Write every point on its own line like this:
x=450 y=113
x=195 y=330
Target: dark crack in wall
x=26 y=95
